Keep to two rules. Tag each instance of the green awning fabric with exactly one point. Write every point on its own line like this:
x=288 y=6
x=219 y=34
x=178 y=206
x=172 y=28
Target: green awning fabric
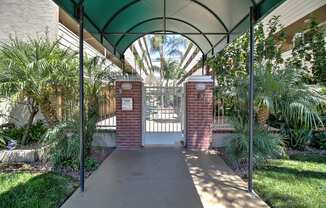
x=210 y=24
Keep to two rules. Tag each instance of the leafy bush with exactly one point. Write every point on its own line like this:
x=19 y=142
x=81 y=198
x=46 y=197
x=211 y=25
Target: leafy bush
x=319 y=140
x=297 y=138
x=63 y=141
x=91 y=164
x=266 y=146
x=15 y=133
x=3 y=140
x=36 y=133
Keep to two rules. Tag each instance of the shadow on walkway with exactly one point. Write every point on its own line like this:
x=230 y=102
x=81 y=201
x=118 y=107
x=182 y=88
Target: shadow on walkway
x=216 y=184
x=162 y=178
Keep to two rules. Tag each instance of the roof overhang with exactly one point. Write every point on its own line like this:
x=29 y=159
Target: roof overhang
x=210 y=24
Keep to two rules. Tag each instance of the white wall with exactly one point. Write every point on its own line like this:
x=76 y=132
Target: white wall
x=25 y=19
x=28 y=18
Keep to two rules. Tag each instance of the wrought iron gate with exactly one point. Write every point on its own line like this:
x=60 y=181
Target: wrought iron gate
x=163 y=109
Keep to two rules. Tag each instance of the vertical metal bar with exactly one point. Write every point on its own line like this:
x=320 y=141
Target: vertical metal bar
x=203 y=65
x=251 y=97
x=81 y=95
x=164 y=16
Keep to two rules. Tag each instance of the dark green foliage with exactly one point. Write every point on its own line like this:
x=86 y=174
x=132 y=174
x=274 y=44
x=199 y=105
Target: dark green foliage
x=319 y=139
x=283 y=91
x=35 y=134
x=91 y=164
x=15 y=133
x=63 y=141
x=297 y=138
x=3 y=140
x=266 y=145
x=37 y=131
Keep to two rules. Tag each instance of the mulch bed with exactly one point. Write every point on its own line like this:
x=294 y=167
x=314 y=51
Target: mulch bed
x=98 y=154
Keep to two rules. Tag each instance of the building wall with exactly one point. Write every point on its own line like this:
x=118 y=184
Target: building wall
x=25 y=19
x=28 y=18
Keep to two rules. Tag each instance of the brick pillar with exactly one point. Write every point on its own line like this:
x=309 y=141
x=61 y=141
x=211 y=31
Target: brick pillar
x=129 y=121
x=199 y=112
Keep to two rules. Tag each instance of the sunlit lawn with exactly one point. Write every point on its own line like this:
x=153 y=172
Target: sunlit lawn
x=297 y=182
x=34 y=190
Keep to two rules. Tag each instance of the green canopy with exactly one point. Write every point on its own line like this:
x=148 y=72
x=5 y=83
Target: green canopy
x=210 y=24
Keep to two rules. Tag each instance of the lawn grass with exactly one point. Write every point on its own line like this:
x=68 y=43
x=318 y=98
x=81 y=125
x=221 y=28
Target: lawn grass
x=34 y=190
x=297 y=182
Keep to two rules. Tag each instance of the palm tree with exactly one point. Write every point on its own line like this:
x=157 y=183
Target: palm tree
x=34 y=71
x=97 y=76
x=172 y=72
x=166 y=46
x=282 y=93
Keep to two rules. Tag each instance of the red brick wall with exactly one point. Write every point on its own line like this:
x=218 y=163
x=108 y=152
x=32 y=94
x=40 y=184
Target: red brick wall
x=199 y=116
x=129 y=123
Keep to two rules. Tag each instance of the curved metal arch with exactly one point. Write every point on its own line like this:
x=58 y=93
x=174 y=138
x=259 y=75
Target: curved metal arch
x=213 y=13
x=118 y=12
x=158 y=18
x=125 y=7
x=155 y=31
x=254 y=4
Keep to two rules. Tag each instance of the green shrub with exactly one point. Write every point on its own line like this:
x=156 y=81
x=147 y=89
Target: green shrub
x=266 y=146
x=297 y=138
x=3 y=140
x=319 y=140
x=15 y=133
x=91 y=164
x=63 y=141
x=37 y=131
x=35 y=134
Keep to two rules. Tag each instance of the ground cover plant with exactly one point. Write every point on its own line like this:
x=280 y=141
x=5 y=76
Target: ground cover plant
x=297 y=182
x=30 y=190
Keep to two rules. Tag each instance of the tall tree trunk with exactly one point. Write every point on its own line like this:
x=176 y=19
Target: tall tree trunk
x=162 y=74
x=262 y=115
x=29 y=124
x=49 y=112
x=92 y=114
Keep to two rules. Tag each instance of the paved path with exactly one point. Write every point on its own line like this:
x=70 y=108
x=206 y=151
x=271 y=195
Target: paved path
x=163 y=178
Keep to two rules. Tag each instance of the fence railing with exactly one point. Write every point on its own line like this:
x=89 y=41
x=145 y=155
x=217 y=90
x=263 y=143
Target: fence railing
x=68 y=108
x=221 y=121
x=107 y=109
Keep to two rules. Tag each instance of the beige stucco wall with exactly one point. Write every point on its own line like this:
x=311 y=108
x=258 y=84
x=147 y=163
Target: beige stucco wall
x=28 y=18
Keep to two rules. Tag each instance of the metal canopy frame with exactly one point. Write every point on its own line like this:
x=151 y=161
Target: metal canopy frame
x=167 y=32
x=78 y=11
x=164 y=30
x=105 y=33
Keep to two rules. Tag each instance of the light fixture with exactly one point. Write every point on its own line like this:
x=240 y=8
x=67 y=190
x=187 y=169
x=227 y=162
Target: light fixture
x=200 y=87
x=126 y=86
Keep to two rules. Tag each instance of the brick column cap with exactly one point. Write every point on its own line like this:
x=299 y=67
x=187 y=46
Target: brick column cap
x=200 y=78
x=125 y=80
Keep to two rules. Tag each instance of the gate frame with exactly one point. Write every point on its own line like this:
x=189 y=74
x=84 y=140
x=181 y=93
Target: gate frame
x=182 y=121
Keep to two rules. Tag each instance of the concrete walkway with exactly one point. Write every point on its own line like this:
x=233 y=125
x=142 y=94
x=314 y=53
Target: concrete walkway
x=163 y=178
